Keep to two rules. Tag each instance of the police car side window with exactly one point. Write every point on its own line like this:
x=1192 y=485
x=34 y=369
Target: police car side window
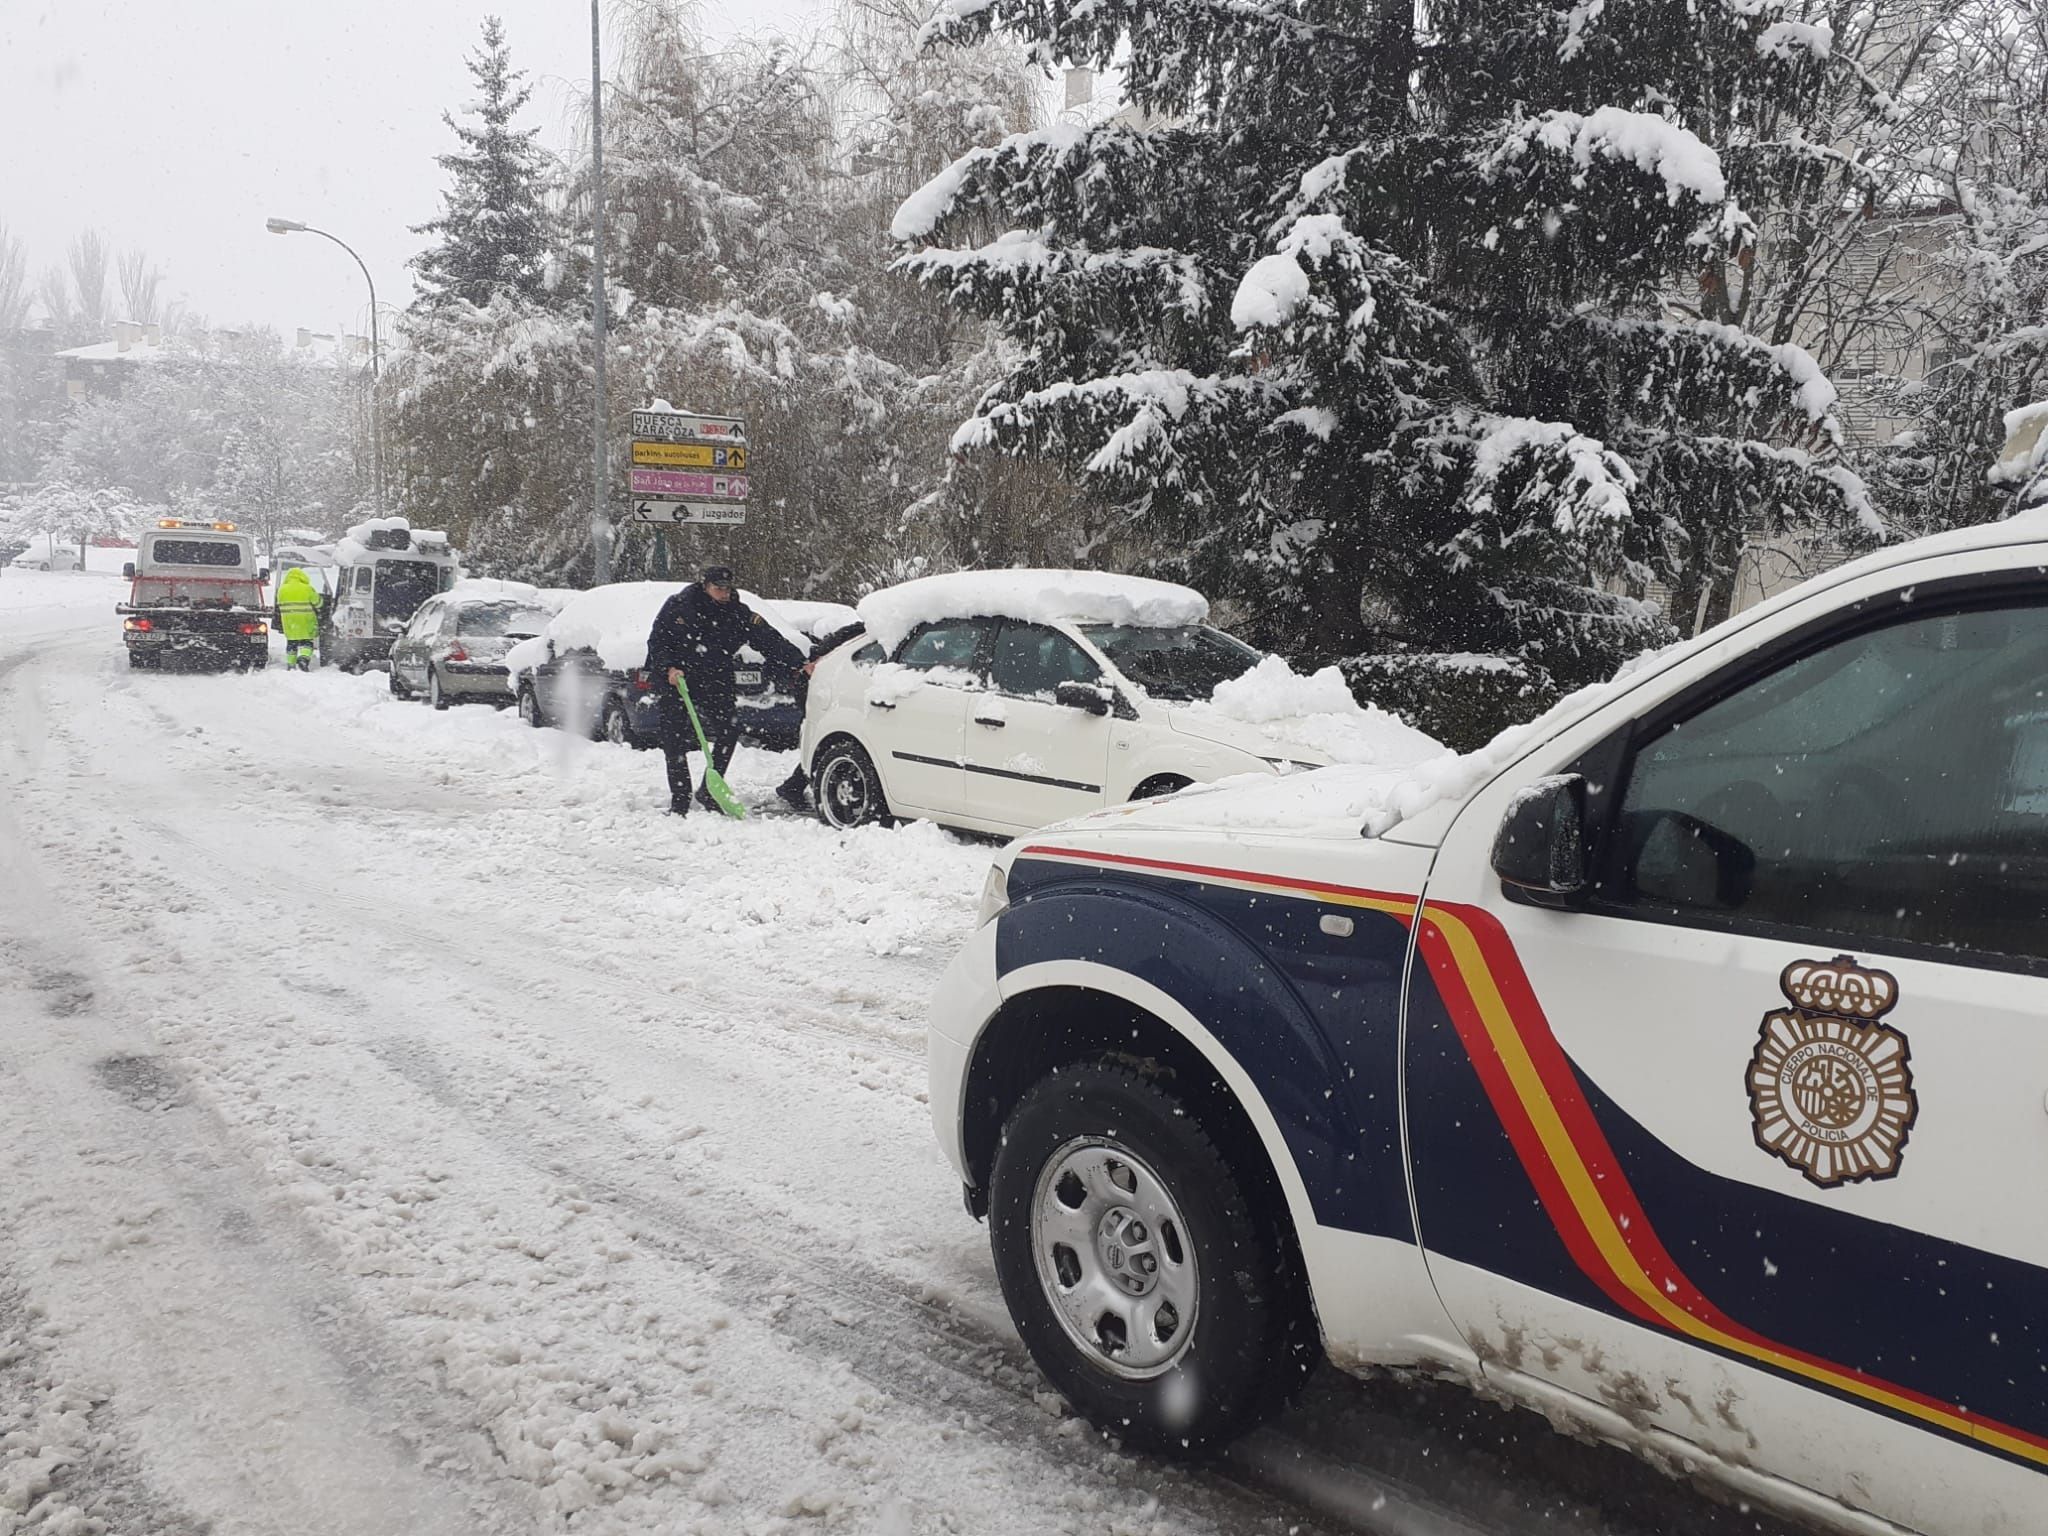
x=1891 y=785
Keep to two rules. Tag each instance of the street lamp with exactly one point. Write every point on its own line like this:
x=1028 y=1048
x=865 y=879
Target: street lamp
x=294 y=227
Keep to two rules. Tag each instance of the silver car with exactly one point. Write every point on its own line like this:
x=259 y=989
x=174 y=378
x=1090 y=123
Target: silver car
x=453 y=650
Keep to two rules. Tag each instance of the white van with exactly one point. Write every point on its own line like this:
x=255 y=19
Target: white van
x=383 y=571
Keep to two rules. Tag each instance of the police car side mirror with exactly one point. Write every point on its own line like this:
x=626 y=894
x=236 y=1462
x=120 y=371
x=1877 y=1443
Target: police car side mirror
x=1541 y=845
x=1092 y=697
x=128 y=569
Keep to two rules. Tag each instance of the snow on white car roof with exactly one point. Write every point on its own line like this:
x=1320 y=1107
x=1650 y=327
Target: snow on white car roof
x=1041 y=596
x=490 y=589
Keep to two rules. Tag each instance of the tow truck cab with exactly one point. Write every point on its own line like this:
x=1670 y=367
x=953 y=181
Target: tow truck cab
x=196 y=596
x=383 y=570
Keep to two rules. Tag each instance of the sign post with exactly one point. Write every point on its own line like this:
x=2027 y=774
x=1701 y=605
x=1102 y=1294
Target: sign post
x=687 y=468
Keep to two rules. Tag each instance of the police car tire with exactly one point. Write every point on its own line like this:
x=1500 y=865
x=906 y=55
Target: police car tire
x=1255 y=1339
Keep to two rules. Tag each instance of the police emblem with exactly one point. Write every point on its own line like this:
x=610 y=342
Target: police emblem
x=1830 y=1087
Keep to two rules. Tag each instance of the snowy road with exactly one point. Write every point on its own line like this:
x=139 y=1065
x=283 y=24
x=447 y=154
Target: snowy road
x=406 y=1129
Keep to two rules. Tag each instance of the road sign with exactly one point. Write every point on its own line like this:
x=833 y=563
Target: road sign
x=649 y=510
x=682 y=485
x=659 y=455
x=684 y=427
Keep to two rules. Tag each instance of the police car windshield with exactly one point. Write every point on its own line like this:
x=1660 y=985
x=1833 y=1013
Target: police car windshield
x=1184 y=663
x=496 y=620
x=195 y=552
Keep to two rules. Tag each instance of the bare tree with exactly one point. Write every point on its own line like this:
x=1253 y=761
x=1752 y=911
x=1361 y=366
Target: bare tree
x=14 y=289
x=53 y=292
x=140 y=285
x=89 y=258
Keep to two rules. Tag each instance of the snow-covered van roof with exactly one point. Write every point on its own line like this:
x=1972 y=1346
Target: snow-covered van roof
x=1081 y=597
x=424 y=543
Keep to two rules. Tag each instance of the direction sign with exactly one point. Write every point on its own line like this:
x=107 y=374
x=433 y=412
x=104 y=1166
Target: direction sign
x=660 y=455
x=684 y=427
x=660 y=511
x=681 y=484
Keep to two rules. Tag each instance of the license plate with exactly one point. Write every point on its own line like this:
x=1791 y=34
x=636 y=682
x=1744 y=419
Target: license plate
x=749 y=677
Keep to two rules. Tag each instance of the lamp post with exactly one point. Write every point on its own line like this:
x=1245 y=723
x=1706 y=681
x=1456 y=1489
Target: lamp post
x=294 y=227
x=600 y=525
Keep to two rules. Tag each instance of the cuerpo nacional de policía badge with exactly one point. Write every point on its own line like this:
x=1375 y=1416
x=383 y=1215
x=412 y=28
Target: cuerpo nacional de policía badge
x=1830 y=1087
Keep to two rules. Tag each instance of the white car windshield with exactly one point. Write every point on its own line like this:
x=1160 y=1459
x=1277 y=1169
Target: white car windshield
x=1183 y=663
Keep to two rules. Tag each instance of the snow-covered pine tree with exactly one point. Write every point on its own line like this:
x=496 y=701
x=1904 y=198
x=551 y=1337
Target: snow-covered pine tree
x=495 y=233
x=1360 y=307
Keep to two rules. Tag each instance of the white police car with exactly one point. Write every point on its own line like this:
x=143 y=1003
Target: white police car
x=1675 y=1066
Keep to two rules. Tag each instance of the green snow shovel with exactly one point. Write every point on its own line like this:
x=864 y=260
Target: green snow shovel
x=714 y=781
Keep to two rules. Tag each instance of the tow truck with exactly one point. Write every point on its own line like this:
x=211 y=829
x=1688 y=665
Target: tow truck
x=196 y=598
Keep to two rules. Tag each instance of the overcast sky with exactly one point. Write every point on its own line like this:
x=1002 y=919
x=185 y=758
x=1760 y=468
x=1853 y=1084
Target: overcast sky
x=179 y=125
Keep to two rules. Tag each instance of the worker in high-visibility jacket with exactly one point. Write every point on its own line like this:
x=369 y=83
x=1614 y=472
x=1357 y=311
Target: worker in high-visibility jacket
x=298 y=615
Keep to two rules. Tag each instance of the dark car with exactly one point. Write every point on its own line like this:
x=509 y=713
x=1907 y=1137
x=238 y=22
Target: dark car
x=575 y=688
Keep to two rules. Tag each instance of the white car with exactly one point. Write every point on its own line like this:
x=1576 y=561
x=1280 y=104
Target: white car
x=1674 y=1066
x=998 y=701
x=46 y=554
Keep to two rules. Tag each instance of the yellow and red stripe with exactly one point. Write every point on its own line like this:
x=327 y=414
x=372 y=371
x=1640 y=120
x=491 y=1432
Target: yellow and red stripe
x=1536 y=1094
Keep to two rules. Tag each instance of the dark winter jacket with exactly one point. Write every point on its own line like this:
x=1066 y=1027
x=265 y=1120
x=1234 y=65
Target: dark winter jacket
x=699 y=634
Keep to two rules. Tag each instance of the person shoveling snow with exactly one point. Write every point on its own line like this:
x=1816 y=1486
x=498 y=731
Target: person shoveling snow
x=691 y=646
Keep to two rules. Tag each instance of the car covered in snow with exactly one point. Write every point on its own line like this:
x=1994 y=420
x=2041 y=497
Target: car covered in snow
x=998 y=701
x=1674 y=1065
x=453 y=651
x=587 y=672
x=45 y=553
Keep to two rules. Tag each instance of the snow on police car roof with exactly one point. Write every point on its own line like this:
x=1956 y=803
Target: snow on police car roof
x=1041 y=596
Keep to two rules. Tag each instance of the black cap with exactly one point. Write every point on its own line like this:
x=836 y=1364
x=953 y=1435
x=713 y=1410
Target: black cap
x=717 y=576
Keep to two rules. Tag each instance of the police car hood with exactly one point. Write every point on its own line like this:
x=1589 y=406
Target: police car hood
x=1342 y=800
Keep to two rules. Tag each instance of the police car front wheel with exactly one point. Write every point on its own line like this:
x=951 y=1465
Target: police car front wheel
x=1142 y=1275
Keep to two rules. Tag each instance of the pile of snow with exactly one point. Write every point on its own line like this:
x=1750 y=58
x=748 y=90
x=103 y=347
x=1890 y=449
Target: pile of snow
x=1318 y=711
x=1791 y=39
x=2024 y=458
x=614 y=620
x=1042 y=597
x=1688 y=166
x=490 y=589
x=815 y=619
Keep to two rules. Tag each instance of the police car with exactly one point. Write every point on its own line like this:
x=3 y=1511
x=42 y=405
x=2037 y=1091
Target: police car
x=1675 y=1066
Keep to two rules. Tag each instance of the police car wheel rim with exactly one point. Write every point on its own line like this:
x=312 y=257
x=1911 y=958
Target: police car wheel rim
x=844 y=793
x=1114 y=1259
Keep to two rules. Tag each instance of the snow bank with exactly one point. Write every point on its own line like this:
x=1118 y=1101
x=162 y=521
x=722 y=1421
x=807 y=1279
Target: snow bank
x=2025 y=454
x=1082 y=597
x=1318 y=711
